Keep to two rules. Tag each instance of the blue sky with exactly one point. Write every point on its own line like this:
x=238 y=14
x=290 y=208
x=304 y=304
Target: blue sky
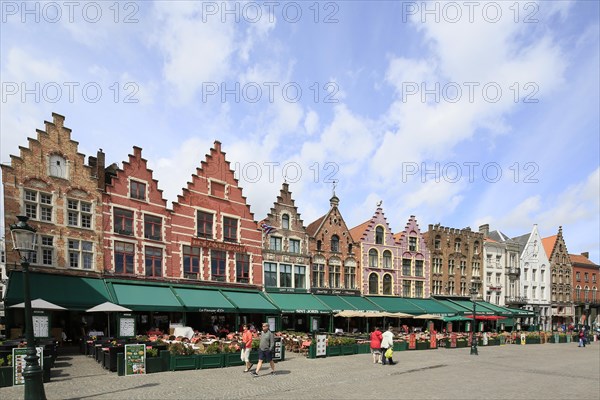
x=419 y=105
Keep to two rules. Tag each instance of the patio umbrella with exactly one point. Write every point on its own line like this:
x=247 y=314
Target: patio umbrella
x=40 y=304
x=428 y=316
x=108 y=307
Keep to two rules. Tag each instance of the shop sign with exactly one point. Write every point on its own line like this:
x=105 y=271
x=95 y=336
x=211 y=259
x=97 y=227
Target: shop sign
x=135 y=359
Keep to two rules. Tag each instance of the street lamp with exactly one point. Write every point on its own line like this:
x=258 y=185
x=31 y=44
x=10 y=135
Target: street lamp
x=473 y=292
x=24 y=240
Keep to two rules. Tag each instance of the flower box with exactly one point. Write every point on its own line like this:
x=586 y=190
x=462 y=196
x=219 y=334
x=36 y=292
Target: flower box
x=232 y=359
x=211 y=360
x=153 y=365
x=423 y=346
x=532 y=340
x=400 y=346
x=461 y=343
x=334 y=351
x=364 y=348
x=347 y=350
x=180 y=363
x=253 y=356
x=494 y=342
x=6 y=378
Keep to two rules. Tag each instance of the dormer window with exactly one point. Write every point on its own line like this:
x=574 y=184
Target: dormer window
x=58 y=166
x=137 y=190
x=285 y=221
x=379 y=235
x=335 y=243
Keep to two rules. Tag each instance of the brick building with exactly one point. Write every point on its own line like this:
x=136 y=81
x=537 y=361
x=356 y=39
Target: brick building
x=415 y=261
x=561 y=270
x=585 y=289
x=456 y=258
x=378 y=255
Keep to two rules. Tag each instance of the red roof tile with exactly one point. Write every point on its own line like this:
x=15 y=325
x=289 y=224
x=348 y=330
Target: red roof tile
x=311 y=229
x=548 y=244
x=358 y=230
x=579 y=259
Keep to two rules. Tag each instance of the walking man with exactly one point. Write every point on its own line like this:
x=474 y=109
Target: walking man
x=265 y=349
x=246 y=347
x=387 y=342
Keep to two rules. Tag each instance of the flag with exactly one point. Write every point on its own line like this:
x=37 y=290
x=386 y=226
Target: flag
x=266 y=228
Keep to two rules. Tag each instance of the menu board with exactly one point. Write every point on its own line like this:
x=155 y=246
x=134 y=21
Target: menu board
x=126 y=327
x=19 y=363
x=277 y=355
x=321 y=345
x=412 y=341
x=135 y=359
x=41 y=326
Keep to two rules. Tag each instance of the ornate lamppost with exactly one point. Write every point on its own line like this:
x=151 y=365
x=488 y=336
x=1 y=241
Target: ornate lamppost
x=24 y=240
x=473 y=292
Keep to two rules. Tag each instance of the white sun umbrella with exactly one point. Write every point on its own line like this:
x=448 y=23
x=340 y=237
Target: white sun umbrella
x=428 y=316
x=40 y=304
x=108 y=307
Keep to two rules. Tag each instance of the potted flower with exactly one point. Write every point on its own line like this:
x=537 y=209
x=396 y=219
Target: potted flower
x=182 y=356
x=210 y=356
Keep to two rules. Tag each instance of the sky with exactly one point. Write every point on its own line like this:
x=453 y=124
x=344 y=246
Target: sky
x=460 y=113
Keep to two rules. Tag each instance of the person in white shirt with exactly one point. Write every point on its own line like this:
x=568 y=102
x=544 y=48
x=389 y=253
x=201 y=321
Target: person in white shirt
x=386 y=343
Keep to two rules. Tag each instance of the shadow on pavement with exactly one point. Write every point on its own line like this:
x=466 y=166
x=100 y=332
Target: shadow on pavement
x=147 y=385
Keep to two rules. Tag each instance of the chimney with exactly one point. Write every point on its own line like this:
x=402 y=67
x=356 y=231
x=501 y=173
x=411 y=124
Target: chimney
x=586 y=254
x=100 y=173
x=485 y=229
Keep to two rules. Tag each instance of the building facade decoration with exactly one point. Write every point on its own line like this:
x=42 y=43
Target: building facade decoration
x=561 y=270
x=586 y=302
x=414 y=261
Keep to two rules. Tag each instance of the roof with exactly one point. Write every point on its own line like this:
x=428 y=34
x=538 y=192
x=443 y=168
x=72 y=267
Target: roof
x=548 y=244
x=522 y=241
x=312 y=228
x=358 y=230
x=498 y=236
x=579 y=259
x=398 y=236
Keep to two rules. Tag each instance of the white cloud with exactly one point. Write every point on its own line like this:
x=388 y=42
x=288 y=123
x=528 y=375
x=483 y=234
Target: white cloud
x=311 y=122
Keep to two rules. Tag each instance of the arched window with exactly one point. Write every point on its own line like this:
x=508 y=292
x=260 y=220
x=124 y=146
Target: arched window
x=387 y=284
x=335 y=243
x=285 y=221
x=373 y=259
x=476 y=247
x=373 y=284
x=387 y=259
x=379 y=235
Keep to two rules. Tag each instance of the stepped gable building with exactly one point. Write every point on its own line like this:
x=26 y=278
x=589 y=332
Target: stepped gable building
x=214 y=237
x=456 y=257
x=585 y=289
x=285 y=246
x=51 y=183
x=561 y=270
x=334 y=267
x=137 y=223
x=414 y=260
x=378 y=255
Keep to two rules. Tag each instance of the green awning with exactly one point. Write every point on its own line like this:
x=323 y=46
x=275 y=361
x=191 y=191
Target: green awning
x=499 y=310
x=204 y=300
x=457 y=309
x=298 y=303
x=396 y=304
x=334 y=302
x=456 y=318
x=361 y=303
x=146 y=297
x=432 y=306
x=481 y=309
x=250 y=302
x=71 y=292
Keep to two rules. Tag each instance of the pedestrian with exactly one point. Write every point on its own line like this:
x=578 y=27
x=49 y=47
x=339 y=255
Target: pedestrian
x=376 y=338
x=581 y=338
x=265 y=349
x=246 y=347
x=387 y=343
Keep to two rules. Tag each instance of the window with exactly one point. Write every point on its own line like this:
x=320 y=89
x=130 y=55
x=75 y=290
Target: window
x=379 y=235
x=387 y=284
x=406 y=288
x=373 y=284
x=373 y=259
x=349 y=277
x=285 y=275
x=450 y=287
x=450 y=267
x=81 y=254
x=475 y=268
x=153 y=259
x=123 y=221
x=335 y=243
x=437 y=243
x=205 y=224
x=285 y=221
x=318 y=245
x=230 y=229
x=242 y=268
x=334 y=276
x=525 y=274
x=191 y=262
x=217 y=265
x=418 y=267
x=533 y=274
x=137 y=190
x=45 y=252
x=58 y=166
x=318 y=275
x=419 y=289
x=299 y=276
x=152 y=227
x=498 y=276
x=463 y=268
x=586 y=277
x=387 y=259
x=294 y=246
x=412 y=243
x=593 y=278
x=124 y=256
x=406 y=264
x=38 y=205
x=79 y=213
x=270 y=270
x=349 y=248
x=476 y=247
x=275 y=243
x=437 y=265
x=457 y=245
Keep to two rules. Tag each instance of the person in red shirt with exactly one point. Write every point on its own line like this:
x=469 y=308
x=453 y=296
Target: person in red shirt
x=376 y=337
x=246 y=347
